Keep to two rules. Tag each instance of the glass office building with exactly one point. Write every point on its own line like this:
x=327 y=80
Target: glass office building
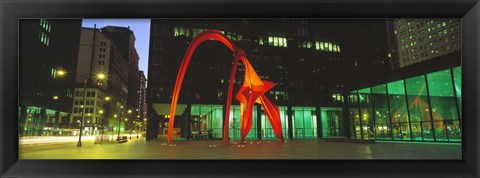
x=420 y=108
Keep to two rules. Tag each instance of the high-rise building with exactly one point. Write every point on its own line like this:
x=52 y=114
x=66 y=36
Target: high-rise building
x=101 y=81
x=419 y=40
x=48 y=54
x=301 y=56
x=142 y=102
x=124 y=38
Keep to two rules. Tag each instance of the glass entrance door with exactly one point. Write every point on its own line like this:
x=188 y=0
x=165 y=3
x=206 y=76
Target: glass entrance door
x=330 y=121
x=206 y=122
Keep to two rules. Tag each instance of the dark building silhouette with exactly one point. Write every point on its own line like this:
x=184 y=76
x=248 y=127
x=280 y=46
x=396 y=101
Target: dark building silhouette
x=124 y=38
x=48 y=53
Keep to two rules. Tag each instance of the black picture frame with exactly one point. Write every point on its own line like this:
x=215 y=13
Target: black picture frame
x=11 y=11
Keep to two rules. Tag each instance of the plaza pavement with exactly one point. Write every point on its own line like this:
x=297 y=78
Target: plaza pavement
x=267 y=149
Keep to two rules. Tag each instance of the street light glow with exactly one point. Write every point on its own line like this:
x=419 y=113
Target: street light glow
x=61 y=72
x=55 y=97
x=129 y=111
x=107 y=98
x=115 y=115
x=101 y=76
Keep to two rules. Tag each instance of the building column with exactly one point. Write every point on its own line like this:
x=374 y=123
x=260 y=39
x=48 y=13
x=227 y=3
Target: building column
x=41 y=121
x=69 y=119
x=346 y=117
x=289 y=120
x=318 y=112
x=55 y=121
x=224 y=116
x=152 y=124
x=22 y=120
x=188 y=120
x=259 y=122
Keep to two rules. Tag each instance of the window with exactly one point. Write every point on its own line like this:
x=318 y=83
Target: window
x=419 y=108
x=54 y=73
x=398 y=110
x=381 y=113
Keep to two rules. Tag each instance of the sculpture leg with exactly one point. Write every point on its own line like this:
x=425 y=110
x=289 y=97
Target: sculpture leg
x=246 y=124
x=229 y=101
x=273 y=115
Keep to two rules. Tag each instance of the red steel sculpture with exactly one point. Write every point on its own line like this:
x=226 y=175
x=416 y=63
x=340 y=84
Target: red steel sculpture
x=251 y=92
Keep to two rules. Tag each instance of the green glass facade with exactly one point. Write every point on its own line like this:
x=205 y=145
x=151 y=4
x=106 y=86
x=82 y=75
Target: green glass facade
x=331 y=121
x=267 y=130
x=207 y=121
x=420 y=108
x=304 y=122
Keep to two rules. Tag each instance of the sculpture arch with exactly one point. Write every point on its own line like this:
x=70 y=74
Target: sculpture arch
x=251 y=91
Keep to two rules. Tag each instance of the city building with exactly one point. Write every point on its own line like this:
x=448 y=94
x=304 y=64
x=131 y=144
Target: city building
x=423 y=39
x=300 y=56
x=103 y=77
x=142 y=102
x=334 y=78
x=48 y=51
x=124 y=38
x=420 y=98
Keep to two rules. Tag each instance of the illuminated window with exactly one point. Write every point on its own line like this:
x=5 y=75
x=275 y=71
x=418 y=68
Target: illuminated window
x=330 y=46
x=334 y=48
x=54 y=73
x=175 y=31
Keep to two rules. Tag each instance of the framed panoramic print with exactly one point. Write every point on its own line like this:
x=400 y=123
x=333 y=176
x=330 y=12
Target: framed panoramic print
x=239 y=88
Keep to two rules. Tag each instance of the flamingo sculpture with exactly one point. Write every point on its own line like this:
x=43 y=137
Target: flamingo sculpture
x=251 y=92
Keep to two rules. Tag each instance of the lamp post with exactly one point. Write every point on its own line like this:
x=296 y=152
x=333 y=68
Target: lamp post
x=79 y=143
x=119 y=120
x=99 y=76
x=129 y=125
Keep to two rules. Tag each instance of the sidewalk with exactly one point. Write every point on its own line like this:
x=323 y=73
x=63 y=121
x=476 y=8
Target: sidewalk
x=295 y=149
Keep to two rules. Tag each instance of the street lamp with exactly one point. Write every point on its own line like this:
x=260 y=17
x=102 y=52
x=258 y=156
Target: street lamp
x=119 y=120
x=79 y=144
x=129 y=113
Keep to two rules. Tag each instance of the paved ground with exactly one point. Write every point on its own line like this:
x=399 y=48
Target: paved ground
x=295 y=149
